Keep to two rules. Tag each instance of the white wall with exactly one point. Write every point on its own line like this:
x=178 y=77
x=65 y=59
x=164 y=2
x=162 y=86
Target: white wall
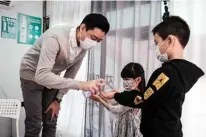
x=11 y=54
x=194 y=112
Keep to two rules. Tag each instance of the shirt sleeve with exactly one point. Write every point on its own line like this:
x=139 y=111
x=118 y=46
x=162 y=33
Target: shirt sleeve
x=44 y=75
x=113 y=102
x=70 y=73
x=119 y=109
x=156 y=91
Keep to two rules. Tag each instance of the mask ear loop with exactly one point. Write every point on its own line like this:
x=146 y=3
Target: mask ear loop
x=167 y=49
x=134 y=73
x=80 y=33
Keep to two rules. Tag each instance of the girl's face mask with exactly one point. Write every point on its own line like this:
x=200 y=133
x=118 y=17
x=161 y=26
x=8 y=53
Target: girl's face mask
x=130 y=84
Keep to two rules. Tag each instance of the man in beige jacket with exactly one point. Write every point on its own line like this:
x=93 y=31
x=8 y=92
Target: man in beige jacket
x=58 y=49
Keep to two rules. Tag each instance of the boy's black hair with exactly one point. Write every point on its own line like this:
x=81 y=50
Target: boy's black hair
x=173 y=25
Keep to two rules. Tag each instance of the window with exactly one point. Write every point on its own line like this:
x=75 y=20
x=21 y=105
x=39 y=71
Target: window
x=130 y=24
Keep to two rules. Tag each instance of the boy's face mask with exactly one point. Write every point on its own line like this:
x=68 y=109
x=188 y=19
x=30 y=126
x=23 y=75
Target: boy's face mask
x=161 y=57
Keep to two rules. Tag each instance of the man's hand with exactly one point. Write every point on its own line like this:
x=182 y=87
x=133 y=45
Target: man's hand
x=109 y=95
x=54 y=107
x=95 y=97
x=93 y=85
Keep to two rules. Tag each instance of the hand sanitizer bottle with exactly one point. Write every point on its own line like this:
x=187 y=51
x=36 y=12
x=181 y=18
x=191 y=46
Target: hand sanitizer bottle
x=86 y=94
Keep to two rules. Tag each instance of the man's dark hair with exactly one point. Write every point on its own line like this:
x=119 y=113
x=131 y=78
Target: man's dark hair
x=134 y=70
x=176 y=26
x=96 y=20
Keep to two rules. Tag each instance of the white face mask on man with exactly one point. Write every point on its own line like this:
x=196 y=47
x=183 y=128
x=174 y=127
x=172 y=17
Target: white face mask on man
x=161 y=57
x=87 y=43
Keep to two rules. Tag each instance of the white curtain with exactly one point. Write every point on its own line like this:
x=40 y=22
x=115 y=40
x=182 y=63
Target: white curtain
x=129 y=39
x=71 y=118
x=67 y=12
x=194 y=112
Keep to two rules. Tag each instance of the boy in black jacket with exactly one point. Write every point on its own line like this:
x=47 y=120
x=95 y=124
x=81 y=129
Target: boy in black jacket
x=162 y=101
